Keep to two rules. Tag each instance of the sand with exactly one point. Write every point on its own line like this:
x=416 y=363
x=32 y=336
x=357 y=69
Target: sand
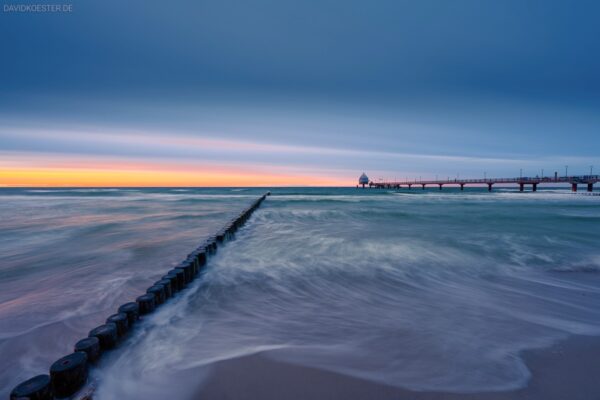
x=569 y=370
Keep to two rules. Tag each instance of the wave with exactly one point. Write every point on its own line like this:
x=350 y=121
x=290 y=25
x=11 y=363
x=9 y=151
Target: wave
x=370 y=284
x=433 y=291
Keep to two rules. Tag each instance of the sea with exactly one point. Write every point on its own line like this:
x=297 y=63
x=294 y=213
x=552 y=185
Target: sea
x=422 y=289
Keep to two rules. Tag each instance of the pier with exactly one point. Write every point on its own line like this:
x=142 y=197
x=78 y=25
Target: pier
x=587 y=180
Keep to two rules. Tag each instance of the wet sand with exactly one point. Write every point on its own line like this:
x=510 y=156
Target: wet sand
x=570 y=370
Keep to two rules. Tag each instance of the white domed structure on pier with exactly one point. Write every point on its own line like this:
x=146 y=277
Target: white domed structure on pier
x=363 y=180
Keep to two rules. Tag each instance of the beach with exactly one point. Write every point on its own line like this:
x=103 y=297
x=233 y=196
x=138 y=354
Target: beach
x=298 y=200
x=323 y=293
x=567 y=370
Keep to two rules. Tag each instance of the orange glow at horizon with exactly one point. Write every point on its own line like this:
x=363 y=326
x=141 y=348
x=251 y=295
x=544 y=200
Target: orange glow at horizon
x=126 y=177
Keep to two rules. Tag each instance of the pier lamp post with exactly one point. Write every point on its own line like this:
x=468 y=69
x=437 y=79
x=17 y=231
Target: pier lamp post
x=566 y=171
x=484 y=175
x=521 y=173
x=591 y=170
x=542 y=173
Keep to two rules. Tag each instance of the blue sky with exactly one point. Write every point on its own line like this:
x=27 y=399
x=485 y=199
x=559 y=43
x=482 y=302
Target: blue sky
x=315 y=89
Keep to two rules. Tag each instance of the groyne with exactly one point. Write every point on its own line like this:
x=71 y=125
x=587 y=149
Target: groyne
x=69 y=374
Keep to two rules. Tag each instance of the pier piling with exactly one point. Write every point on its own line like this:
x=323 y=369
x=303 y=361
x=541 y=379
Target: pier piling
x=106 y=334
x=121 y=322
x=132 y=311
x=159 y=293
x=69 y=374
x=166 y=284
x=146 y=303
x=90 y=346
x=38 y=388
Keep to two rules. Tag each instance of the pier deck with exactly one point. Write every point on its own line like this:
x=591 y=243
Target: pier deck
x=574 y=181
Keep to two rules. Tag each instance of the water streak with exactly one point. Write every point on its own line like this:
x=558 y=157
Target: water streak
x=429 y=291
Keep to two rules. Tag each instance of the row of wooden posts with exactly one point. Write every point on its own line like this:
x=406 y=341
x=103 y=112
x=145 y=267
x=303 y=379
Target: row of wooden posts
x=70 y=373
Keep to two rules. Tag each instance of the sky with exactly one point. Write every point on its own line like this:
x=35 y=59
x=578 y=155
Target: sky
x=289 y=93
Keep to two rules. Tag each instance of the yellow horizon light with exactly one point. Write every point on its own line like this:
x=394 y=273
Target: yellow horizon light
x=15 y=177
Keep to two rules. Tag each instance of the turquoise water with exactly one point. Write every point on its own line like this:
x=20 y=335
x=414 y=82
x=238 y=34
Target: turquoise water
x=426 y=290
